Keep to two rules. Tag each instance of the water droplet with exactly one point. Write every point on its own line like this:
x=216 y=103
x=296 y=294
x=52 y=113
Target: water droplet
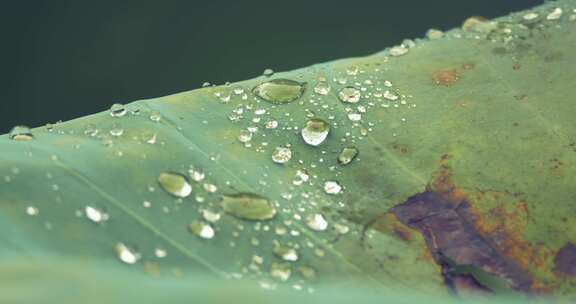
x=268 y=72
x=117 y=110
x=301 y=177
x=332 y=187
x=555 y=14
x=322 y=88
x=201 y=229
x=316 y=222
x=347 y=155
x=352 y=70
x=279 y=91
x=116 y=131
x=280 y=271
x=126 y=254
x=349 y=94
x=340 y=228
x=196 y=175
x=248 y=206
x=244 y=136
x=398 y=50
x=21 y=133
x=271 y=124
x=285 y=253
x=95 y=215
x=479 y=24
x=175 y=184
x=160 y=253
x=281 y=155
x=155 y=116
x=315 y=131
x=210 y=216
x=210 y=187
x=354 y=116
x=30 y=210
x=434 y=34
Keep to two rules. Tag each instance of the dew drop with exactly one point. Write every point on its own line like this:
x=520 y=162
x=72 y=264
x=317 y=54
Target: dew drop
x=322 y=88
x=301 y=177
x=196 y=175
x=268 y=72
x=316 y=222
x=155 y=116
x=279 y=91
x=95 y=215
x=248 y=206
x=285 y=253
x=160 y=253
x=332 y=187
x=434 y=34
x=30 y=210
x=244 y=136
x=117 y=110
x=347 y=155
x=21 y=133
x=349 y=94
x=398 y=50
x=281 y=155
x=315 y=131
x=126 y=254
x=201 y=229
x=175 y=184
x=210 y=216
x=280 y=271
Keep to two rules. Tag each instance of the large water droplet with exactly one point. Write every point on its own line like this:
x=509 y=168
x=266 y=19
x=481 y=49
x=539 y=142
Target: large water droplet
x=21 y=133
x=175 y=184
x=332 y=187
x=126 y=254
x=248 y=206
x=315 y=131
x=201 y=229
x=281 y=155
x=279 y=91
x=316 y=222
x=347 y=155
x=349 y=94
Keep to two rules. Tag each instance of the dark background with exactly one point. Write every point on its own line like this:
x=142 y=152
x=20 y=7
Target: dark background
x=64 y=59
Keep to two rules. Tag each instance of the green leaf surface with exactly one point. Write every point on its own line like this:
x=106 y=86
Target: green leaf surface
x=466 y=159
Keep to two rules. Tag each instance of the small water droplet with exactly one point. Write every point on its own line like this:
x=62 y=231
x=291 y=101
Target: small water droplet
x=21 y=133
x=210 y=187
x=116 y=131
x=210 y=216
x=354 y=116
x=281 y=155
x=347 y=155
x=160 y=253
x=201 y=229
x=126 y=254
x=434 y=34
x=31 y=210
x=398 y=50
x=155 y=116
x=285 y=253
x=196 y=175
x=315 y=131
x=244 y=136
x=349 y=94
x=268 y=72
x=352 y=70
x=555 y=14
x=248 y=206
x=279 y=91
x=322 y=88
x=301 y=177
x=280 y=271
x=95 y=215
x=175 y=184
x=271 y=124
x=117 y=110
x=332 y=187
x=316 y=222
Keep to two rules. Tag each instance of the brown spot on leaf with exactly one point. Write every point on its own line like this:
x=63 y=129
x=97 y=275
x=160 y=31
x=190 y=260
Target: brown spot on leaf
x=448 y=77
x=450 y=234
x=565 y=260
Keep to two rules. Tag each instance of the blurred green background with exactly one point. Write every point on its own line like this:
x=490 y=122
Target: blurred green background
x=65 y=59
